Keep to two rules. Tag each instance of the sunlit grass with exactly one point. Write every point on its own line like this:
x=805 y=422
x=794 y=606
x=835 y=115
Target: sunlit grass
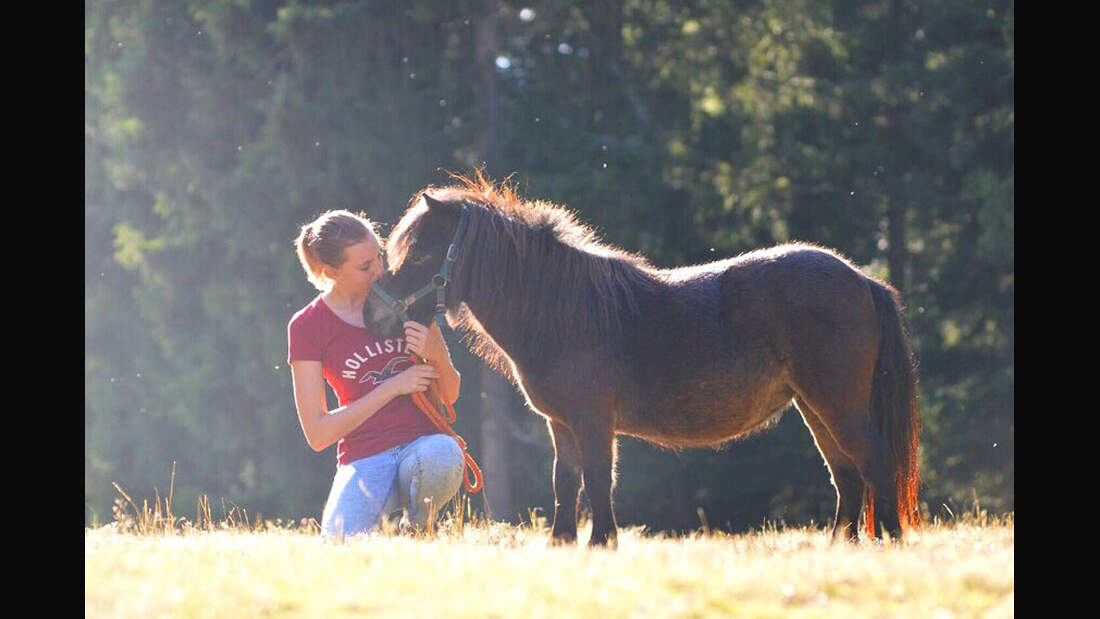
x=152 y=563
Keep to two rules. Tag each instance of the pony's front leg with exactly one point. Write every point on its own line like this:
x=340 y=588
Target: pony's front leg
x=567 y=483
x=597 y=441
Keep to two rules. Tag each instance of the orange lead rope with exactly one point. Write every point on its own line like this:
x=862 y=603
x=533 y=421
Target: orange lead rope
x=435 y=415
x=433 y=412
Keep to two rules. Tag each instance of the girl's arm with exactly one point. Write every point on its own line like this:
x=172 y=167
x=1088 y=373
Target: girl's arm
x=323 y=428
x=428 y=343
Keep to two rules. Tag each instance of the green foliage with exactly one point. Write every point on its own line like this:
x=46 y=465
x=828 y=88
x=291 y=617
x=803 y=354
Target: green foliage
x=687 y=131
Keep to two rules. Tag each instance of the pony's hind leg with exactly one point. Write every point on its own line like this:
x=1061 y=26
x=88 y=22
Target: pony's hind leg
x=842 y=406
x=845 y=477
x=567 y=482
x=857 y=438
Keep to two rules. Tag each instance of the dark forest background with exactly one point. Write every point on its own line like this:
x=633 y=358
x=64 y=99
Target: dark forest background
x=687 y=131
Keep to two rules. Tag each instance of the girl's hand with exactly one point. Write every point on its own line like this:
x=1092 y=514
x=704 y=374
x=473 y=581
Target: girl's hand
x=413 y=379
x=425 y=341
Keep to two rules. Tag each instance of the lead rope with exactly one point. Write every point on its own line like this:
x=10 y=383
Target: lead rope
x=443 y=424
x=433 y=413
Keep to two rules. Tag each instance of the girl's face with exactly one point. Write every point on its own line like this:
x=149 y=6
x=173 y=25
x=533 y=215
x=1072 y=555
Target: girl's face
x=361 y=268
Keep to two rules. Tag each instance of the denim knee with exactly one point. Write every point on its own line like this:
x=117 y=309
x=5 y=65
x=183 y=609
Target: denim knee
x=435 y=469
x=438 y=451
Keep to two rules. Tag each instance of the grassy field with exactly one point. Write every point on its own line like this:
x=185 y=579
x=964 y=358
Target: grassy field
x=158 y=566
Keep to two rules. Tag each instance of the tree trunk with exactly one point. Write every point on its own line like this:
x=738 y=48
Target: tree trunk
x=605 y=22
x=485 y=50
x=896 y=256
x=495 y=447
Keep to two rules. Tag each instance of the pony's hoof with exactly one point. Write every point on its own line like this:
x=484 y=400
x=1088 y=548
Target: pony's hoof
x=564 y=539
x=844 y=536
x=610 y=542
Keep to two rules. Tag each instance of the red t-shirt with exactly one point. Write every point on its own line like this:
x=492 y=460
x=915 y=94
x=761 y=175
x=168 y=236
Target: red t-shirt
x=353 y=362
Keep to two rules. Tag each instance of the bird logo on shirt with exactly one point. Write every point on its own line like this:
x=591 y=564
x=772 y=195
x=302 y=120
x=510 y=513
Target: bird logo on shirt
x=387 y=372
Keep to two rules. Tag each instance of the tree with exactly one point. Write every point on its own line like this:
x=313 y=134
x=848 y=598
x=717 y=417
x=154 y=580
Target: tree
x=684 y=130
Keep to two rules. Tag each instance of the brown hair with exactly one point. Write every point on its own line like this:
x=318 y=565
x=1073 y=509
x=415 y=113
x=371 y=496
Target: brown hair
x=322 y=242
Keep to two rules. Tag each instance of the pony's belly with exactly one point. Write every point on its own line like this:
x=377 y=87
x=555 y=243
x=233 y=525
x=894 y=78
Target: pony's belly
x=696 y=420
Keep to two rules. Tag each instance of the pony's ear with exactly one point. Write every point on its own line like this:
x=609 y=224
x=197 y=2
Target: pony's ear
x=432 y=202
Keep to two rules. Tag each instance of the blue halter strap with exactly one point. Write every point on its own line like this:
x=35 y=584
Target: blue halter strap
x=438 y=284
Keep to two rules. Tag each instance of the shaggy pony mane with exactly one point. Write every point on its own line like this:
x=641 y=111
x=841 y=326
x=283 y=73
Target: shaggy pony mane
x=557 y=272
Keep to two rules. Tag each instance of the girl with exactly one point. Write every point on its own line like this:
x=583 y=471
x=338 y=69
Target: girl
x=389 y=455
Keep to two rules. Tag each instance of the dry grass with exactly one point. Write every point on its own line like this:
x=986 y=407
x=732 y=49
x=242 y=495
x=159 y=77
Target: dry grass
x=150 y=563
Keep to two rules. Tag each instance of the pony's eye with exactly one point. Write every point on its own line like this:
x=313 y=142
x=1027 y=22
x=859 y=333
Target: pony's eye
x=417 y=257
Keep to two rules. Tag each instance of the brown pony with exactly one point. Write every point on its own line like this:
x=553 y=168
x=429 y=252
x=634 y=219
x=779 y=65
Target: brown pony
x=601 y=343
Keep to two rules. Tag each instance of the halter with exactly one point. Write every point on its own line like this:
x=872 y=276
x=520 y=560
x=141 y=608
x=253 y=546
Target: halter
x=443 y=415
x=438 y=284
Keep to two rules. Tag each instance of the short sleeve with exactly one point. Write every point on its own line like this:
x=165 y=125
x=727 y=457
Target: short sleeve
x=302 y=343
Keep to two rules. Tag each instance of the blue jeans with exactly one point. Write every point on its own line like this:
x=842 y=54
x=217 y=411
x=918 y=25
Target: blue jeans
x=401 y=477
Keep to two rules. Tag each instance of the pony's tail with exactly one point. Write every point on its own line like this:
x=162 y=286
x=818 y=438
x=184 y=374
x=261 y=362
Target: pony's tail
x=894 y=409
